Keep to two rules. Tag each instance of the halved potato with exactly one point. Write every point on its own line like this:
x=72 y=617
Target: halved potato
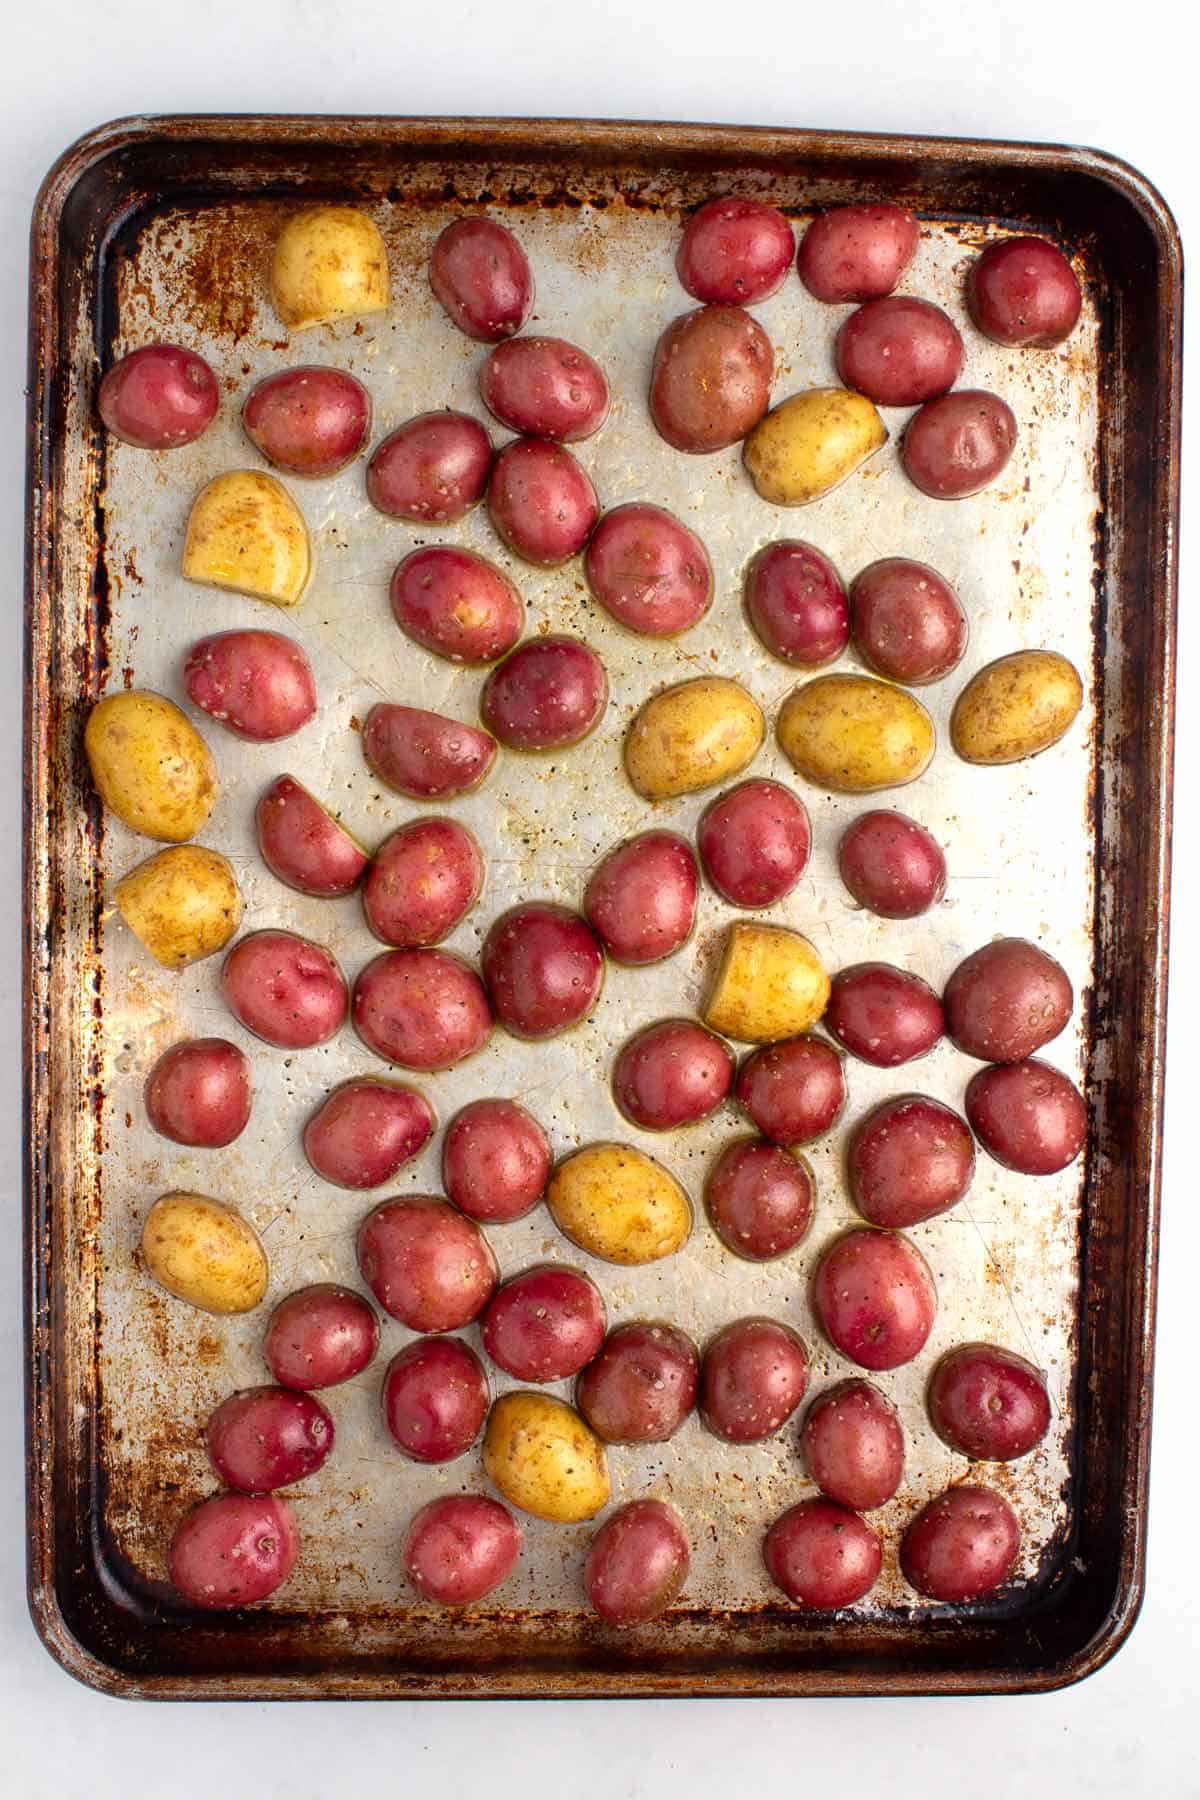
x=329 y=263
x=183 y=904
x=246 y=533
x=771 y=985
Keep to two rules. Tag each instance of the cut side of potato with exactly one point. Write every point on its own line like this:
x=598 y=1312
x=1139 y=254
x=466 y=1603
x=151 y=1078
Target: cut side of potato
x=183 y=904
x=246 y=533
x=771 y=985
x=330 y=262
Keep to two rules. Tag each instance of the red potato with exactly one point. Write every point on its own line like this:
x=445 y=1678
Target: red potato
x=899 y=351
x=310 y=421
x=541 y=502
x=423 y=881
x=435 y=1399
x=544 y=387
x=258 y=684
x=959 y=443
x=421 y=1009
x=460 y=1548
x=988 y=1403
x=857 y=252
x=365 y=1131
x=637 y=1562
x=962 y=1546
x=906 y=621
x=424 y=755
x=159 y=397
x=302 y=843
x=910 y=1159
x=640 y=899
x=482 y=277
x=711 y=381
x=320 y=1336
x=456 y=604
x=648 y=570
x=1023 y=291
x=734 y=251
x=496 y=1161
x=822 y=1556
x=672 y=1073
x=1028 y=1116
x=544 y=1324
x=641 y=1385
x=266 y=1438
x=544 y=969
x=853 y=1445
x=546 y=696
x=199 y=1093
x=794 y=1091
x=432 y=469
x=891 y=865
x=425 y=1264
x=754 y=842
x=285 y=989
x=797 y=604
x=752 y=1379
x=883 y=1015
x=233 y=1550
x=874 y=1298
x=1006 y=1000
x=760 y=1199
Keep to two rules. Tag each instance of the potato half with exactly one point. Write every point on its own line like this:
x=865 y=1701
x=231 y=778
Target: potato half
x=183 y=904
x=618 y=1203
x=808 y=445
x=329 y=263
x=692 y=736
x=853 y=734
x=246 y=533
x=1016 y=707
x=544 y=1458
x=771 y=985
x=150 y=765
x=204 y=1252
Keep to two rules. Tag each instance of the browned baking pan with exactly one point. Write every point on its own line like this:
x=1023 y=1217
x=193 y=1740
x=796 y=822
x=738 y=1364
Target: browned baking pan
x=149 y=208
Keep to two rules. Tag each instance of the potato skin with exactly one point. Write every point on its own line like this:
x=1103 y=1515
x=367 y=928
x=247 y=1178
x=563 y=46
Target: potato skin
x=150 y=765
x=246 y=533
x=641 y=1386
x=158 y=397
x=546 y=696
x=258 y=684
x=310 y=421
x=456 y=604
x=649 y=570
x=617 y=1203
x=909 y=1160
x=425 y=1264
x=432 y=469
x=874 y=1298
x=1023 y=290
x=907 y=622
x=423 y=881
x=366 y=1130
x=546 y=1324
x=302 y=843
x=199 y=1093
x=957 y=444
x=797 y=604
x=734 y=251
x=852 y=1444
x=183 y=904
x=285 y=989
x=711 y=380
x=754 y=841
x=851 y=734
x=434 y=1399
x=794 y=1091
x=264 y=1438
x=752 y=1379
x=857 y=252
x=232 y=1550
x=640 y=899
x=424 y=754
x=496 y=1161
x=541 y=502
x=961 y=1546
x=459 y=1547
x=329 y=263
x=771 y=984
x=1006 y=1000
x=204 y=1252
x=1028 y=1116
x=692 y=736
x=544 y=1459
x=671 y=1073
x=988 y=1403
x=637 y=1562
x=809 y=444
x=422 y=1009
x=543 y=968
x=482 y=277
x=1016 y=707
x=899 y=351
x=544 y=387
x=759 y=1199
x=883 y=1015
x=822 y=1556
x=320 y=1336
x=891 y=865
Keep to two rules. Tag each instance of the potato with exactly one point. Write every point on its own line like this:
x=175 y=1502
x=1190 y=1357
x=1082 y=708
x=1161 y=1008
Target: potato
x=544 y=1459
x=204 y=1252
x=691 y=736
x=852 y=734
x=150 y=765
x=808 y=445
x=329 y=263
x=246 y=533
x=771 y=985
x=183 y=904
x=619 y=1204
x=1016 y=707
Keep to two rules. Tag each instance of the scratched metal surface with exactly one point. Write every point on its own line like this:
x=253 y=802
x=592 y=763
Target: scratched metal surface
x=1018 y=842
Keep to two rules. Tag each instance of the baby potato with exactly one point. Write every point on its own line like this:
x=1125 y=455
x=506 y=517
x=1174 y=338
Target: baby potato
x=771 y=985
x=329 y=263
x=692 y=736
x=150 y=765
x=619 y=1204
x=246 y=533
x=808 y=445
x=183 y=904
x=852 y=734
x=1016 y=707
x=204 y=1252
x=544 y=1459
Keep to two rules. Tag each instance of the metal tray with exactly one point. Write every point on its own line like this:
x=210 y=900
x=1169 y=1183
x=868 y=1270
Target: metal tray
x=161 y=227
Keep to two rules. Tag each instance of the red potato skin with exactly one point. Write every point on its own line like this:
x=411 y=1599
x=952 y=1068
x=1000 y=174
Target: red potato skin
x=425 y=755
x=421 y=1009
x=199 y=1093
x=760 y=1199
x=648 y=570
x=906 y=621
x=672 y=1073
x=423 y=881
x=310 y=421
x=547 y=695
x=752 y=1379
x=1028 y=1116
x=988 y=1403
x=365 y=1131
x=233 y=1550
x=545 y=1324
x=857 y=252
x=266 y=1438
x=962 y=1546
x=899 y=351
x=853 y=1445
x=711 y=380
x=496 y=1161
x=1023 y=291
x=909 y=1160
x=874 y=1298
x=956 y=445
x=1006 y=1000
x=794 y=1092
x=642 y=1384
x=459 y=1548
x=302 y=843
x=258 y=684
x=456 y=604
x=734 y=251
x=320 y=1336
x=754 y=842
x=434 y=1399
x=544 y=969
x=284 y=989
x=544 y=387
x=432 y=469
x=159 y=397
x=891 y=865
x=796 y=604
x=425 y=1264
x=822 y=1556
x=637 y=1563
x=541 y=502
x=482 y=277
x=640 y=899
x=883 y=1015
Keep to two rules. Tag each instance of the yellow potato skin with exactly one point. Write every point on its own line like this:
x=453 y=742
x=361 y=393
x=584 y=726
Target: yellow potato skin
x=544 y=1458
x=807 y=445
x=1016 y=707
x=246 y=533
x=771 y=985
x=329 y=263
x=183 y=904
x=204 y=1252
x=150 y=765
x=617 y=1203
x=853 y=734
x=692 y=736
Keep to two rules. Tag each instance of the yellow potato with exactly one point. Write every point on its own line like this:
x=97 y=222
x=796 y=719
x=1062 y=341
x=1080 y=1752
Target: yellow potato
x=150 y=765
x=544 y=1459
x=618 y=1203
x=852 y=734
x=808 y=445
x=204 y=1252
x=329 y=263
x=1016 y=707
x=246 y=533
x=183 y=904
x=691 y=736
x=771 y=984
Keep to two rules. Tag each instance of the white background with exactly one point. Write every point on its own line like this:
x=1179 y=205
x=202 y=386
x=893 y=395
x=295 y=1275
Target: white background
x=1110 y=75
